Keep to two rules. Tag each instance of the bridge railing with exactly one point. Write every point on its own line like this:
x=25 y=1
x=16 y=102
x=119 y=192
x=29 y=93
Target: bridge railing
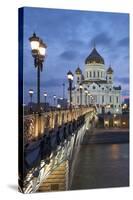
x=36 y=125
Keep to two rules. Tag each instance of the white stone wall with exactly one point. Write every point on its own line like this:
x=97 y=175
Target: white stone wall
x=100 y=86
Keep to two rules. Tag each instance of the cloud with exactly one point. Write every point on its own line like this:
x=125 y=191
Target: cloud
x=70 y=36
x=123 y=80
x=123 y=42
x=69 y=55
x=102 y=38
x=53 y=82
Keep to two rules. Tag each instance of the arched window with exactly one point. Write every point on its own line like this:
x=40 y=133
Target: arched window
x=77 y=99
x=90 y=74
x=102 y=99
x=94 y=74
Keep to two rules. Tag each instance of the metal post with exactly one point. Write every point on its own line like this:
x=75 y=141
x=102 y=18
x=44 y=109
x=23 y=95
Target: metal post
x=45 y=99
x=38 y=88
x=70 y=89
x=63 y=90
x=80 y=96
x=31 y=98
x=86 y=99
x=54 y=101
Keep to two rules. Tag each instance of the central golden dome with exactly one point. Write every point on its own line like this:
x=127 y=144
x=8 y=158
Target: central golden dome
x=94 y=57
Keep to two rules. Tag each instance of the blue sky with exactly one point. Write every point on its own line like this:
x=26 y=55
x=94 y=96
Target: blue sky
x=70 y=36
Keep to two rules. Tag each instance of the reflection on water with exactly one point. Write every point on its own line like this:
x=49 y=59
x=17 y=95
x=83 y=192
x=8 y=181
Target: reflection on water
x=101 y=165
x=115 y=151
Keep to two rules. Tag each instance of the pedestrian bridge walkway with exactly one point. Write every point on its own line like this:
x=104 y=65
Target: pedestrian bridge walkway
x=51 y=142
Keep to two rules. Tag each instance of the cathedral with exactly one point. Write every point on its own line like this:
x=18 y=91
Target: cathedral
x=94 y=86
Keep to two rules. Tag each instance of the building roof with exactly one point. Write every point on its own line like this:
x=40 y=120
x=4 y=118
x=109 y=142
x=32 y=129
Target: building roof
x=78 y=71
x=110 y=70
x=117 y=88
x=94 y=57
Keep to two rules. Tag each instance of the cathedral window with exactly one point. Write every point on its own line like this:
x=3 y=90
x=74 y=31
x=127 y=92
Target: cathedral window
x=77 y=99
x=94 y=87
x=90 y=74
x=94 y=74
x=110 y=99
x=102 y=99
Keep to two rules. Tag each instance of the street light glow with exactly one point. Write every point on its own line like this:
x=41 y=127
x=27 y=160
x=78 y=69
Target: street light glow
x=42 y=48
x=34 y=41
x=31 y=91
x=70 y=75
x=81 y=86
x=45 y=94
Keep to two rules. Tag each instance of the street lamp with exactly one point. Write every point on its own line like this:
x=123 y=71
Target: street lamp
x=86 y=94
x=54 y=99
x=70 y=79
x=38 y=50
x=89 y=98
x=80 y=88
x=45 y=97
x=31 y=92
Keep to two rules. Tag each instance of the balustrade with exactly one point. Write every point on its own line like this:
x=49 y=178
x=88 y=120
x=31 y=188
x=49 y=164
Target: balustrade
x=36 y=125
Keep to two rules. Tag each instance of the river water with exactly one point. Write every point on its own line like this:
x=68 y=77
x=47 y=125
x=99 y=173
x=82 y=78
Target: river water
x=101 y=166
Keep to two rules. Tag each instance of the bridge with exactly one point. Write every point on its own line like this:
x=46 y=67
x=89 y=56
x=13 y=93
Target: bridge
x=51 y=144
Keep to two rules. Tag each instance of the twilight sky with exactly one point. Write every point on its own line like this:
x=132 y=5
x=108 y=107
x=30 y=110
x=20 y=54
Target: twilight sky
x=70 y=36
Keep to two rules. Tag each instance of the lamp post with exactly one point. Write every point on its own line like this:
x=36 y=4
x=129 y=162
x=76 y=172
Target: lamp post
x=80 y=88
x=86 y=94
x=31 y=92
x=63 y=90
x=45 y=97
x=89 y=98
x=38 y=50
x=70 y=80
x=54 y=97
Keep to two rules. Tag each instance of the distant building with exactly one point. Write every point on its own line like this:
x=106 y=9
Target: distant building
x=97 y=86
x=125 y=106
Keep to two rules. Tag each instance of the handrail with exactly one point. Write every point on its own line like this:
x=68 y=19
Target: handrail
x=36 y=125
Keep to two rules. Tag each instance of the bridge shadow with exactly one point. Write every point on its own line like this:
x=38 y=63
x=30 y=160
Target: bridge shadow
x=13 y=187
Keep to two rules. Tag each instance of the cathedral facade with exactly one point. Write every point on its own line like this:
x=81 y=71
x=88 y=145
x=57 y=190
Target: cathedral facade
x=95 y=86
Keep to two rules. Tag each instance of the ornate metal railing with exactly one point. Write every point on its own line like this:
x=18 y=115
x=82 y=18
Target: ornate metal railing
x=47 y=132
x=36 y=125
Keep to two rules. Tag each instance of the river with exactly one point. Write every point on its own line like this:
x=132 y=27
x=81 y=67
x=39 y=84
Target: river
x=101 y=166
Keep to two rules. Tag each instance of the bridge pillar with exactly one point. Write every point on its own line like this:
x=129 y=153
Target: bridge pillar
x=57 y=180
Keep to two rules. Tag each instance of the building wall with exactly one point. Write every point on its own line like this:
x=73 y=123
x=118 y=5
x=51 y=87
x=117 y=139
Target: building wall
x=105 y=96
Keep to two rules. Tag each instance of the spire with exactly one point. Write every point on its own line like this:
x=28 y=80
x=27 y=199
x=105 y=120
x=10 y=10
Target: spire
x=110 y=70
x=78 y=70
x=94 y=43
